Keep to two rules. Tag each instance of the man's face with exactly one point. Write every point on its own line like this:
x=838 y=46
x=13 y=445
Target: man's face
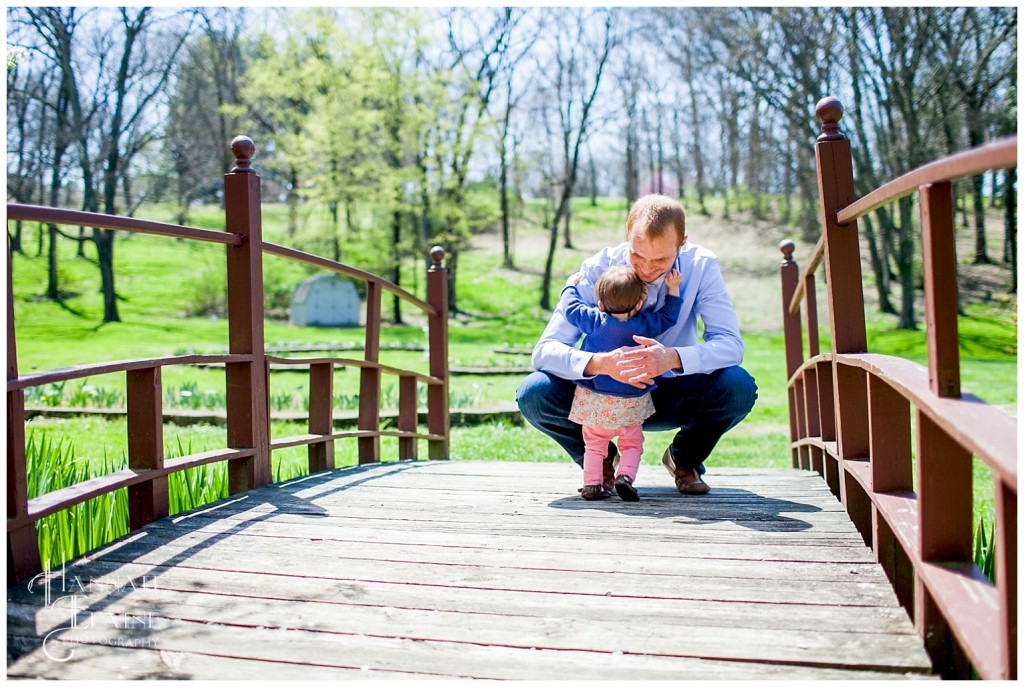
x=652 y=256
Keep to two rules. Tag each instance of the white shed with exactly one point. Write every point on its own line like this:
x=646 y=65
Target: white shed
x=325 y=300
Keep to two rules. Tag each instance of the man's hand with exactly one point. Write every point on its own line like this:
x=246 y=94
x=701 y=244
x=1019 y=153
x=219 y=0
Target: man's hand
x=608 y=364
x=641 y=364
x=635 y=365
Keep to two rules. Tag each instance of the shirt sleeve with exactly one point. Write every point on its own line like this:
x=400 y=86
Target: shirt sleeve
x=554 y=352
x=655 y=321
x=723 y=346
x=577 y=313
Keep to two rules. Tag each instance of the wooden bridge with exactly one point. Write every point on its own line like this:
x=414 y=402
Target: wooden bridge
x=498 y=570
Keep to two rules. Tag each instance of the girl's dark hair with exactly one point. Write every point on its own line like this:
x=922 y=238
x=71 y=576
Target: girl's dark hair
x=619 y=289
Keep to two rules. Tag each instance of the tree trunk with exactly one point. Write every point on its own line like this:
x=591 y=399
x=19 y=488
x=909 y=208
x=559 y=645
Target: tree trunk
x=396 y=278
x=104 y=240
x=906 y=264
x=332 y=208
x=293 y=200
x=1010 y=225
x=506 y=229
x=567 y=235
x=16 y=239
x=52 y=287
x=878 y=267
x=980 y=241
x=632 y=173
x=545 y=287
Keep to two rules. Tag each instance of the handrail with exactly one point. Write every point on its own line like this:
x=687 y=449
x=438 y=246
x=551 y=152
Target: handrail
x=896 y=441
x=995 y=155
x=817 y=255
x=426 y=379
x=64 y=374
x=39 y=213
x=310 y=259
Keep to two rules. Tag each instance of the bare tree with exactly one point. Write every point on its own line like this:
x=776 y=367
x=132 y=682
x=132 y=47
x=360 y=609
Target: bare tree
x=578 y=63
x=982 y=57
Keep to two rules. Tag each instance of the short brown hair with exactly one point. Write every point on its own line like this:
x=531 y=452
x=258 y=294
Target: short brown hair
x=619 y=289
x=655 y=215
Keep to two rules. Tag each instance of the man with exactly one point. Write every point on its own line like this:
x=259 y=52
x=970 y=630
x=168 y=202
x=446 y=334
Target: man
x=702 y=393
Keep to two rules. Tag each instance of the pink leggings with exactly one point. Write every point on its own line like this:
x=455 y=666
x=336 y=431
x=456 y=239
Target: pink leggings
x=595 y=439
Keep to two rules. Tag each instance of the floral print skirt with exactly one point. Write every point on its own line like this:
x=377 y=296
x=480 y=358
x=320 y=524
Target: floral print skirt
x=611 y=412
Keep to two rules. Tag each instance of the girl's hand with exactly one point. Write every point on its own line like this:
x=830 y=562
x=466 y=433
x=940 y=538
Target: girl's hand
x=672 y=280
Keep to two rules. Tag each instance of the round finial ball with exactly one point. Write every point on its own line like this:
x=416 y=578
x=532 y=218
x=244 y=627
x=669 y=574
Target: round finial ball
x=787 y=247
x=437 y=254
x=829 y=110
x=243 y=148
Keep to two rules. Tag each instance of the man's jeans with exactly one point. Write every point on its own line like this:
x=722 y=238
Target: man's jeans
x=702 y=407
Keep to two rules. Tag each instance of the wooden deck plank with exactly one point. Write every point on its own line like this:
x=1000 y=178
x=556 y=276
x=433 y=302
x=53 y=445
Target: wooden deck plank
x=109 y=574
x=476 y=569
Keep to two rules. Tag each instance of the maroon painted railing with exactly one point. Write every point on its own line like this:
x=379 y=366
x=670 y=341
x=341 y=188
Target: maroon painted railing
x=851 y=413
x=246 y=372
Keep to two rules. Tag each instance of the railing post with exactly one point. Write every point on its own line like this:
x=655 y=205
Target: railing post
x=842 y=244
x=789 y=273
x=1005 y=538
x=146 y=501
x=792 y=334
x=248 y=413
x=408 y=416
x=938 y=254
x=321 y=397
x=845 y=290
x=22 y=541
x=369 y=379
x=438 y=420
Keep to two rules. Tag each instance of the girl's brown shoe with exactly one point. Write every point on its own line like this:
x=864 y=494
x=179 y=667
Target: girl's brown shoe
x=595 y=492
x=626 y=490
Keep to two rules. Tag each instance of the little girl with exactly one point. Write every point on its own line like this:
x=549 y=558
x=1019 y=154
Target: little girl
x=605 y=406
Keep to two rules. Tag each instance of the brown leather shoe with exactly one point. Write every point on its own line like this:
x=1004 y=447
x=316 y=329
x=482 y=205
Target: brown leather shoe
x=595 y=492
x=626 y=490
x=688 y=480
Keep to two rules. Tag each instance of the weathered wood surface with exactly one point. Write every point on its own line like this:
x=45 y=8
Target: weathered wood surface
x=473 y=569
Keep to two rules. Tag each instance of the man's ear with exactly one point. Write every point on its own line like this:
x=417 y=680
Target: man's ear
x=684 y=241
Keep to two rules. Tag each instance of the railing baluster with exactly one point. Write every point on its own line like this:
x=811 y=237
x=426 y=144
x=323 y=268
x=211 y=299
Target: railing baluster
x=811 y=310
x=944 y=498
x=248 y=413
x=1005 y=538
x=407 y=416
x=22 y=541
x=438 y=421
x=147 y=501
x=938 y=254
x=889 y=438
x=826 y=402
x=369 y=379
x=944 y=502
x=321 y=399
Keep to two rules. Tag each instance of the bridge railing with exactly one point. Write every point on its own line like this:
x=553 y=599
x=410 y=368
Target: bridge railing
x=851 y=413
x=249 y=442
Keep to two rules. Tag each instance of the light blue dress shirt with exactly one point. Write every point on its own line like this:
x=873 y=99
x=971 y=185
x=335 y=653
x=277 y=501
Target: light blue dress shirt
x=704 y=296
